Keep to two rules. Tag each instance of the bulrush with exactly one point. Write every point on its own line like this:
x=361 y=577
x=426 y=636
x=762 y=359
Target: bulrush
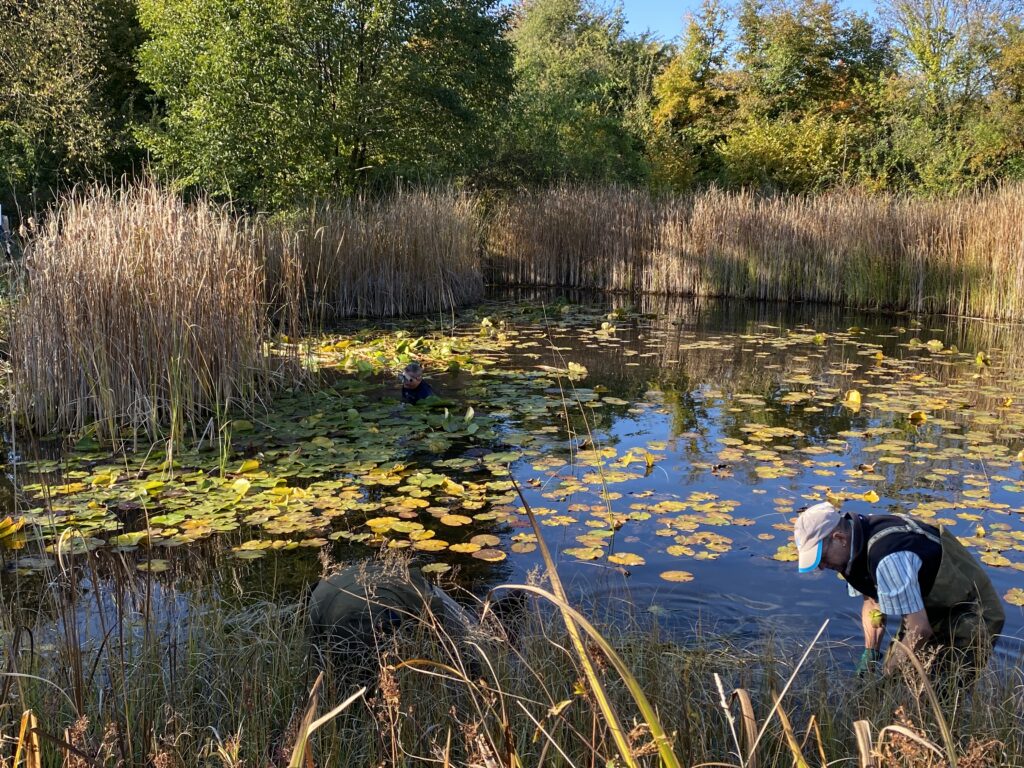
x=137 y=312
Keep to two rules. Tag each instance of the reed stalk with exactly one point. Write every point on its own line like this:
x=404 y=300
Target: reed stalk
x=961 y=256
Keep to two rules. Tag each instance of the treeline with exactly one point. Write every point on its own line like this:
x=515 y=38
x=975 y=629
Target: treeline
x=272 y=103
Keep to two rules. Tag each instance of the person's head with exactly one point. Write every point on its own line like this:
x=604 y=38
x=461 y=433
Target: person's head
x=412 y=375
x=822 y=538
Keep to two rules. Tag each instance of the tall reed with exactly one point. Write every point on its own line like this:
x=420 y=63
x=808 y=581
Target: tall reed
x=137 y=311
x=414 y=252
x=960 y=256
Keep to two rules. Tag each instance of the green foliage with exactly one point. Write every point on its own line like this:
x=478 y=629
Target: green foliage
x=694 y=102
x=274 y=101
x=68 y=92
x=925 y=97
x=582 y=94
x=800 y=154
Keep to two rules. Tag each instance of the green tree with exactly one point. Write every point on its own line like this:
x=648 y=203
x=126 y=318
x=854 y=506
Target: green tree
x=694 y=103
x=583 y=91
x=949 y=47
x=807 y=56
x=68 y=94
x=274 y=101
x=809 y=73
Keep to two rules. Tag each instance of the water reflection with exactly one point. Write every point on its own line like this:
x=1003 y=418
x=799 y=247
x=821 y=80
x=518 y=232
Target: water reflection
x=698 y=430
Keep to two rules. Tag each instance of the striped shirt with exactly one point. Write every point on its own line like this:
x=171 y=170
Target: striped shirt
x=899 y=592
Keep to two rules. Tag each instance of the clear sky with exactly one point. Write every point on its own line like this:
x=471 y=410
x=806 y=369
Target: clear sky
x=665 y=17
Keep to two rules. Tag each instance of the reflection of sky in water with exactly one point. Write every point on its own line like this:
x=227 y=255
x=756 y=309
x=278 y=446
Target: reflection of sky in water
x=744 y=591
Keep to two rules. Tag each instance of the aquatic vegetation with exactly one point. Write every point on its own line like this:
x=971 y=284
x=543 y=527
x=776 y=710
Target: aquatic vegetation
x=648 y=448
x=958 y=255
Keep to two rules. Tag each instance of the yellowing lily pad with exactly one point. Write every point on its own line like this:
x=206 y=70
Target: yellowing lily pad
x=676 y=576
x=489 y=555
x=1015 y=596
x=430 y=545
x=626 y=558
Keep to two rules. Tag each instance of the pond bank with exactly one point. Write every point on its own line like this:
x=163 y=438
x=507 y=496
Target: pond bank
x=219 y=676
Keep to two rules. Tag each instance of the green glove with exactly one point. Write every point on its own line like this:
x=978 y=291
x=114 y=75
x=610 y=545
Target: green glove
x=868 y=661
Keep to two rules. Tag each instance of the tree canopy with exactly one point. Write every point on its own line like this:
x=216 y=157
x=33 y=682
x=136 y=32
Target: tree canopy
x=274 y=102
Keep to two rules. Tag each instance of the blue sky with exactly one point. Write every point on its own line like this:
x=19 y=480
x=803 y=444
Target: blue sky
x=666 y=18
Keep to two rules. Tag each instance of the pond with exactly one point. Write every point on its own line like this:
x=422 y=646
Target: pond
x=665 y=449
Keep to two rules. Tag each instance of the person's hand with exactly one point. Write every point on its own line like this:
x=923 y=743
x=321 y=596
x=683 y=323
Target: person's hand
x=868 y=662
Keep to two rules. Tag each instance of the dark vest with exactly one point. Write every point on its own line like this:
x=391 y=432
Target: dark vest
x=865 y=563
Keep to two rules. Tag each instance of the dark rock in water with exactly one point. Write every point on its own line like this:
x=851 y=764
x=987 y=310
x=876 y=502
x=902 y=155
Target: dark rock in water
x=351 y=609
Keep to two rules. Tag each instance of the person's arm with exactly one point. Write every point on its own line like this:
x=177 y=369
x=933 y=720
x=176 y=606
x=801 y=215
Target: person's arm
x=899 y=594
x=872 y=621
x=916 y=630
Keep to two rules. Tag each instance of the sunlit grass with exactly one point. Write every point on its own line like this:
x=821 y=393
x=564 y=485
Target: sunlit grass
x=218 y=675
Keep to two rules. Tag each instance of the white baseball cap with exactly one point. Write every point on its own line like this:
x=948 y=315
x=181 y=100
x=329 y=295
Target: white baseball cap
x=810 y=531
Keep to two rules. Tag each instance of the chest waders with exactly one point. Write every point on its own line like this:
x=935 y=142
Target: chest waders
x=963 y=608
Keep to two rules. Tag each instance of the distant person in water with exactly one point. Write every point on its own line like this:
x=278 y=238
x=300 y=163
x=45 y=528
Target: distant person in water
x=414 y=388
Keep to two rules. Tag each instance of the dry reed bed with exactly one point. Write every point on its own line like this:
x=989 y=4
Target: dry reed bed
x=137 y=311
x=411 y=253
x=960 y=256
x=140 y=312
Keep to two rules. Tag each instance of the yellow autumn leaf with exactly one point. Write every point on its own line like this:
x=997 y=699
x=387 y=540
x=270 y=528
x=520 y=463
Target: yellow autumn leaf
x=249 y=465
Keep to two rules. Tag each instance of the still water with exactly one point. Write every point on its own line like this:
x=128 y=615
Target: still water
x=665 y=448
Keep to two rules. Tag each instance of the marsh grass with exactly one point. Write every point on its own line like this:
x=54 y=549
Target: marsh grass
x=415 y=252
x=137 y=313
x=138 y=673
x=962 y=256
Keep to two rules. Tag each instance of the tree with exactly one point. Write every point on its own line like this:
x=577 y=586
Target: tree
x=68 y=94
x=582 y=94
x=274 y=101
x=949 y=47
x=694 y=102
x=808 y=56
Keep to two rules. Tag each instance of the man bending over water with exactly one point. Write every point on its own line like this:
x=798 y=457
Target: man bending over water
x=903 y=567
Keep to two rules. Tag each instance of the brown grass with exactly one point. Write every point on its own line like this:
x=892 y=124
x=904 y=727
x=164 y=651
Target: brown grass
x=412 y=253
x=137 y=311
x=960 y=256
